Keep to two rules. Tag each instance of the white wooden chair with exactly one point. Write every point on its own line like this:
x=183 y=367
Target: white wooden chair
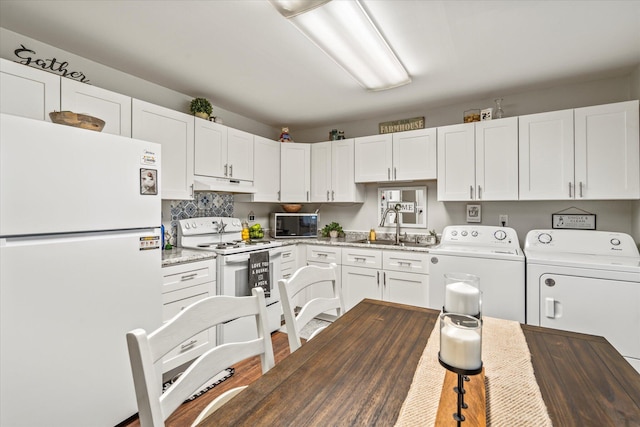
x=146 y=352
x=300 y=280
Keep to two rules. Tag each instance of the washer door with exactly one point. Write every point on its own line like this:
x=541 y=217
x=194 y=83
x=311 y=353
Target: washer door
x=603 y=307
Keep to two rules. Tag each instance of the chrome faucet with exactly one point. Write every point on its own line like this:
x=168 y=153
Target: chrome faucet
x=395 y=209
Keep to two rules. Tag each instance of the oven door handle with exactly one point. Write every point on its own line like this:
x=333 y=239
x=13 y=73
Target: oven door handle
x=242 y=258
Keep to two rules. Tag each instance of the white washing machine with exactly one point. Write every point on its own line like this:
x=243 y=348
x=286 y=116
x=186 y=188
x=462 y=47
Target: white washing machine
x=586 y=281
x=491 y=253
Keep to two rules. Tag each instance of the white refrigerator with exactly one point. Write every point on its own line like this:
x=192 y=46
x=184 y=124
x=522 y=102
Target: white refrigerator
x=80 y=265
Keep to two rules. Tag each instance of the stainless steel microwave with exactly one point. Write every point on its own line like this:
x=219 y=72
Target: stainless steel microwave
x=293 y=225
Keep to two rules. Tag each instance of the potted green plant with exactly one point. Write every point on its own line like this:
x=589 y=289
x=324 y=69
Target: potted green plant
x=201 y=107
x=332 y=230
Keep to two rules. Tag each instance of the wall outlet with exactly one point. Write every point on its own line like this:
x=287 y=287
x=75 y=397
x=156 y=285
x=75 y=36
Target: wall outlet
x=503 y=220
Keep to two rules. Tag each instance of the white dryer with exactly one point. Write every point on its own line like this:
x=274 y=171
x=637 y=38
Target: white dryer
x=586 y=281
x=491 y=253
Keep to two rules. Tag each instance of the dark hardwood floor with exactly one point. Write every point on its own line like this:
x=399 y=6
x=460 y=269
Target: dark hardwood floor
x=245 y=373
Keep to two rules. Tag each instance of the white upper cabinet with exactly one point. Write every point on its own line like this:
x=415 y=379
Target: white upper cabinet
x=240 y=154
x=373 y=161
x=266 y=170
x=478 y=161
x=497 y=159
x=295 y=175
x=332 y=172
x=175 y=132
x=588 y=153
x=414 y=155
x=223 y=152
x=546 y=156
x=113 y=108
x=401 y=156
x=607 y=151
x=28 y=92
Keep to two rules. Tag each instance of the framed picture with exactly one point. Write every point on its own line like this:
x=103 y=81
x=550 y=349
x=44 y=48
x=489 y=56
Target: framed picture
x=474 y=213
x=148 y=182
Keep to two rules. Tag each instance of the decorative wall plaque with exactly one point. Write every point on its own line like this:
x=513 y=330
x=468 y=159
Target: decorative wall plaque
x=402 y=125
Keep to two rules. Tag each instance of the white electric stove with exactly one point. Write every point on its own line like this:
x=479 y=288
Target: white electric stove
x=223 y=235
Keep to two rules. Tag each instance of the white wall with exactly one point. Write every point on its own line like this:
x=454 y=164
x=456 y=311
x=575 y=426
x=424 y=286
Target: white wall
x=573 y=95
x=109 y=78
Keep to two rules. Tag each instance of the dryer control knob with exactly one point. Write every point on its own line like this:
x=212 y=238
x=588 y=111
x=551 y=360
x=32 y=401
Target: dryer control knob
x=500 y=235
x=615 y=242
x=544 y=238
x=474 y=233
x=464 y=233
x=454 y=233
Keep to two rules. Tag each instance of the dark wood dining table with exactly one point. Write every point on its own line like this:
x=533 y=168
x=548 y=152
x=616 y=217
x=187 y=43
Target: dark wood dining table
x=358 y=372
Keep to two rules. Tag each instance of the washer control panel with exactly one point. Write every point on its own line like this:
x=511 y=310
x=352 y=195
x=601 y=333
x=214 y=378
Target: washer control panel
x=480 y=235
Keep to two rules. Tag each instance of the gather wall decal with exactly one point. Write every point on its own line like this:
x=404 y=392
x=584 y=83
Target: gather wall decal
x=28 y=57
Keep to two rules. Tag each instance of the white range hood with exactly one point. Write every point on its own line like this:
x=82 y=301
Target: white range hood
x=222 y=185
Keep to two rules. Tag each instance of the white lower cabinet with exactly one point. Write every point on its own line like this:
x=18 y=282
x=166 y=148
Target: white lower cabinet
x=395 y=276
x=182 y=285
x=322 y=256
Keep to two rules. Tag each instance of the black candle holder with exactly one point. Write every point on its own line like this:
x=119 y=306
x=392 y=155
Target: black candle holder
x=459 y=389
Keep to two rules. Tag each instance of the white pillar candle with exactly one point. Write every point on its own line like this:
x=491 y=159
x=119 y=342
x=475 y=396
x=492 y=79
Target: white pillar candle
x=461 y=347
x=462 y=298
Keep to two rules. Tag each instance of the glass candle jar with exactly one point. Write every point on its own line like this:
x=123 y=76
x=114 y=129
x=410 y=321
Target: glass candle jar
x=460 y=342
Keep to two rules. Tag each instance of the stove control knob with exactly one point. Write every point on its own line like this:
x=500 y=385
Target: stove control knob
x=615 y=242
x=474 y=233
x=464 y=233
x=194 y=225
x=500 y=235
x=186 y=225
x=454 y=233
x=545 y=238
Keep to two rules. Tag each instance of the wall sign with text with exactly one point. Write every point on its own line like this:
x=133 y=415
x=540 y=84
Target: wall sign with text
x=29 y=57
x=574 y=221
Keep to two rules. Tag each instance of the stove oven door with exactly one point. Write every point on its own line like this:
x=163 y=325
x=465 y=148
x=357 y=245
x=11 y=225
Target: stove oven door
x=233 y=280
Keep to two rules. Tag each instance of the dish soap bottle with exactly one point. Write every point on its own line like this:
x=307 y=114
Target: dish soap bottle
x=372 y=235
x=245 y=231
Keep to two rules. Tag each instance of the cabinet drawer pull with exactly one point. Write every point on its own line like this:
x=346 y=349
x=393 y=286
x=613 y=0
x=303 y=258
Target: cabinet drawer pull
x=388 y=174
x=479 y=192
x=333 y=195
x=286 y=276
x=581 y=189
x=189 y=344
x=321 y=255
x=471 y=192
x=401 y=263
x=286 y=254
x=188 y=277
x=328 y=199
x=226 y=170
x=395 y=173
x=359 y=259
x=570 y=190
x=231 y=170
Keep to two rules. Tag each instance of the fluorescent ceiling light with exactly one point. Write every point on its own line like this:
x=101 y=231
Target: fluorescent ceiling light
x=344 y=31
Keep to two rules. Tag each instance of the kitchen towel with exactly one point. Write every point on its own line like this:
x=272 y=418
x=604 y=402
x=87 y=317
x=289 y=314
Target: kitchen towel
x=259 y=271
x=512 y=391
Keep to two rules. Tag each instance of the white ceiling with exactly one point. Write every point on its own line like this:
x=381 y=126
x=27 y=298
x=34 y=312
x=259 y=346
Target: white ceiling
x=248 y=59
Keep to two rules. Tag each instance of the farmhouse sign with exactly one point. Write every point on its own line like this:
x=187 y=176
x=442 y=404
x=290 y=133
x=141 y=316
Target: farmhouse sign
x=402 y=125
x=259 y=271
x=28 y=57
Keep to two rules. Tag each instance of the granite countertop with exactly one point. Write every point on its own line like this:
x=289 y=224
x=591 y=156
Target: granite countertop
x=182 y=255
